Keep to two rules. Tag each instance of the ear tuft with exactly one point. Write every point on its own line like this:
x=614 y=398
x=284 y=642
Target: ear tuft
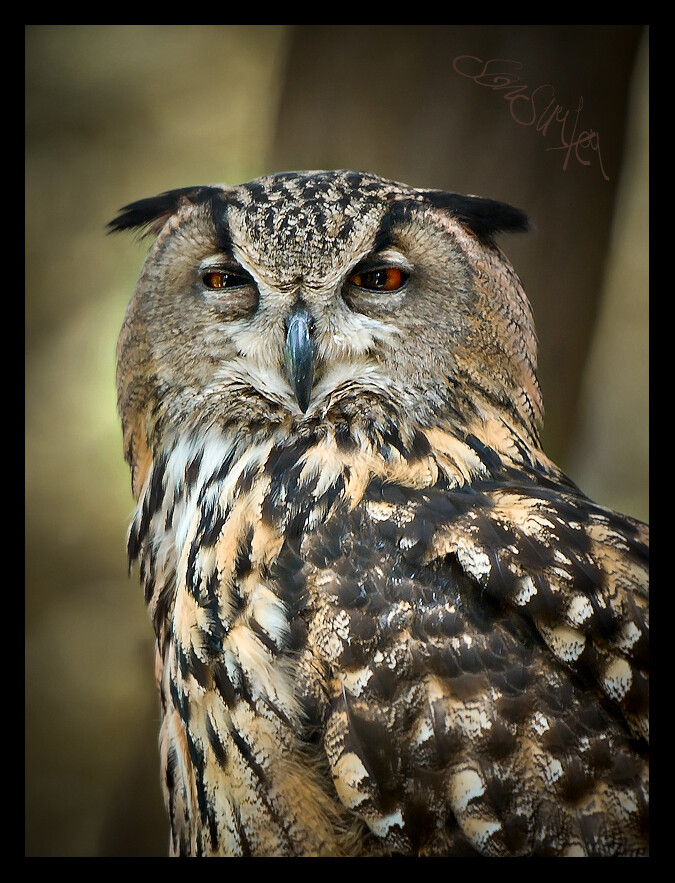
x=484 y=217
x=149 y=215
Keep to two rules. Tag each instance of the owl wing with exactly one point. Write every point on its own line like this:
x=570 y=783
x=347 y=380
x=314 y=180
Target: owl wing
x=484 y=656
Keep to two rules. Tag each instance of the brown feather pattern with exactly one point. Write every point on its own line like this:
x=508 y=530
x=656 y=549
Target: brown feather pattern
x=388 y=625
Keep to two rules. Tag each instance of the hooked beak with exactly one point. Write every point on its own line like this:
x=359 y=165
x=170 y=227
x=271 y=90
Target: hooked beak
x=299 y=356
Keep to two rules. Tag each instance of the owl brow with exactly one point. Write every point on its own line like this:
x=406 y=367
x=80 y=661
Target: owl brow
x=218 y=207
x=385 y=236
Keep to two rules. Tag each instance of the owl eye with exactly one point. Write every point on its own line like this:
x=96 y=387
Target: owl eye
x=385 y=279
x=219 y=279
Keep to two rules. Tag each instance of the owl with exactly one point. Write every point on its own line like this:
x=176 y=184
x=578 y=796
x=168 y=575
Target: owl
x=386 y=622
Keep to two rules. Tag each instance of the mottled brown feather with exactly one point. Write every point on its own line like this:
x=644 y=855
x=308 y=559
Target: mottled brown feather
x=386 y=623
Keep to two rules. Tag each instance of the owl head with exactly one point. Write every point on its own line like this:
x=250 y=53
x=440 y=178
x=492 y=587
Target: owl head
x=306 y=298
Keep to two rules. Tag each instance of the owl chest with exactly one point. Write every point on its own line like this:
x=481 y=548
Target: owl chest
x=228 y=670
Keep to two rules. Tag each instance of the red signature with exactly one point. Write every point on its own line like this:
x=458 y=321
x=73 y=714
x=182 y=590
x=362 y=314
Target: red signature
x=528 y=106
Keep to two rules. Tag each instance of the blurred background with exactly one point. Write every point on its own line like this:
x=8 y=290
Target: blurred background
x=120 y=112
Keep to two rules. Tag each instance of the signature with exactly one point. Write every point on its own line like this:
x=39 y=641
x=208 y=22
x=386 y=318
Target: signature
x=534 y=107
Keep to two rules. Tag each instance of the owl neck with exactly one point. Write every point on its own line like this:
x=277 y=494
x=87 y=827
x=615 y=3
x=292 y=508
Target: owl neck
x=300 y=472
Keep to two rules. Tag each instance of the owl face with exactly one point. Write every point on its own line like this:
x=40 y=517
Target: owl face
x=303 y=297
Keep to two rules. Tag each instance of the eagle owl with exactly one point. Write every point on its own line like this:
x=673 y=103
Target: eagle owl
x=386 y=623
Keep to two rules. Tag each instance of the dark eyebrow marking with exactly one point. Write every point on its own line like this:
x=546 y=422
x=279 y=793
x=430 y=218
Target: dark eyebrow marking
x=399 y=211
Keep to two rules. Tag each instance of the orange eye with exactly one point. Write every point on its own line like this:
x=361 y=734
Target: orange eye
x=387 y=279
x=217 y=279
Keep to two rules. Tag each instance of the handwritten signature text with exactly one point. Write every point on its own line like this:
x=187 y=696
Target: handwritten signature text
x=535 y=107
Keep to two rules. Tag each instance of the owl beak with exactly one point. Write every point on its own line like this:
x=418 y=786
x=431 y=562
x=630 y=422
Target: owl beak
x=299 y=356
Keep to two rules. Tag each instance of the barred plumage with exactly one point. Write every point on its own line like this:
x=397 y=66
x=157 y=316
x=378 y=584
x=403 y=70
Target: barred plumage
x=386 y=623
